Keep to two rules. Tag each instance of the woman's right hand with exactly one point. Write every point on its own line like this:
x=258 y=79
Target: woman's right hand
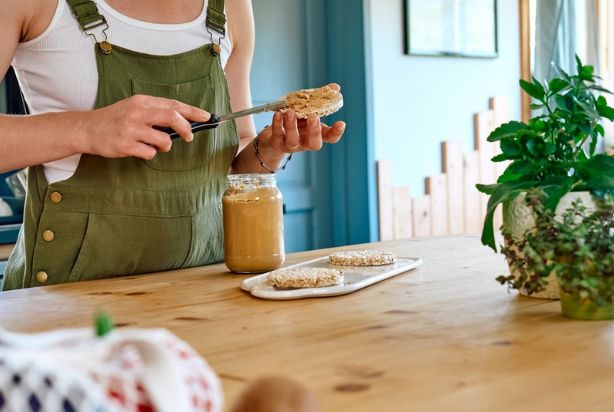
x=126 y=128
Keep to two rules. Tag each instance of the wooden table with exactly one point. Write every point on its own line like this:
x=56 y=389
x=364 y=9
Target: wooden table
x=443 y=338
x=5 y=251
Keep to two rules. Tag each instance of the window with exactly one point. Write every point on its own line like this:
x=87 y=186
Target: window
x=11 y=192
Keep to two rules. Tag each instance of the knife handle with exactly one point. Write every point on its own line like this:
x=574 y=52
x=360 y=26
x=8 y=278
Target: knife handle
x=212 y=123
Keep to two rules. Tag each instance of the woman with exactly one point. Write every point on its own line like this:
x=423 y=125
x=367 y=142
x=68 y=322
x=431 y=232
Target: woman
x=107 y=193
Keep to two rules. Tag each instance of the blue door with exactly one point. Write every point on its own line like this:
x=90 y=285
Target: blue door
x=286 y=39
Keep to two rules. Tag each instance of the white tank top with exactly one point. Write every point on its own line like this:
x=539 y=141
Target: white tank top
x=57 y=70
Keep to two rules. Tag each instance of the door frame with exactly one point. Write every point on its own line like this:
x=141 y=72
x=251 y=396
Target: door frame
x=352 y=160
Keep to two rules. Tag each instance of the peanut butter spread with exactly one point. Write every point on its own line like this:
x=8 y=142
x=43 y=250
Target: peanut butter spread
x=322 y=101
x=253 y=229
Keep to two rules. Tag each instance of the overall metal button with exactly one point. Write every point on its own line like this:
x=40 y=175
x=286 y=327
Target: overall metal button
x=216 y=49
x=55 y=197
x=48 y=235
x=105 y=47
x=42 y=276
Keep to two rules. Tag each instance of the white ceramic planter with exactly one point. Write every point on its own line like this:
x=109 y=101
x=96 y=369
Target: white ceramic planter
x=518 y=218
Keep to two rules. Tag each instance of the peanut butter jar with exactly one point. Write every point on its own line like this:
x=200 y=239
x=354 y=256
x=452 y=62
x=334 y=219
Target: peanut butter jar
x=253 y=223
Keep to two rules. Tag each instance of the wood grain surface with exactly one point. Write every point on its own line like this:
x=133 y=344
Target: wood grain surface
x=5 y=251
x=446 y=337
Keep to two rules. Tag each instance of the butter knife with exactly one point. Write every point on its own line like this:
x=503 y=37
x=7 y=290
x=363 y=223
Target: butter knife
x=216 y=120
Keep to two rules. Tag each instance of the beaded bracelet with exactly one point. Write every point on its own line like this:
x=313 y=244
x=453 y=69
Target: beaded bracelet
x=257 y=150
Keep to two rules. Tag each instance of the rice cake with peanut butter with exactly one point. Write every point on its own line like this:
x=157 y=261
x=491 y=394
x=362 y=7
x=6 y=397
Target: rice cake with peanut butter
x=305 y=277
x=321 y=101
x=365 y=257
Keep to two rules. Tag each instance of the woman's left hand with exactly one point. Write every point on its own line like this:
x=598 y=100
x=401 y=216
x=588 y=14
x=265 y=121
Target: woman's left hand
x=288 y=134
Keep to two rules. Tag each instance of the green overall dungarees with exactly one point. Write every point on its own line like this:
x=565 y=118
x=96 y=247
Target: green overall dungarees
x=128 y=215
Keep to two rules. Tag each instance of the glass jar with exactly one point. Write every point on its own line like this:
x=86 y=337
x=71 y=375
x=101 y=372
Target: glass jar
x=253 y=223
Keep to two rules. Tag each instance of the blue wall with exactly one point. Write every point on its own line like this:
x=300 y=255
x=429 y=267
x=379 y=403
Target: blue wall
x=420 y=101
x=325 y=42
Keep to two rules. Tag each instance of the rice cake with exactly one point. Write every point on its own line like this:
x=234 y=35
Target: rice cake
x=365 y=257
x=321 y=101
x=304 y=277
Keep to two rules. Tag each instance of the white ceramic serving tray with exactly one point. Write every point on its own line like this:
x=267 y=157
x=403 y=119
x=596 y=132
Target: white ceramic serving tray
x=354 y=278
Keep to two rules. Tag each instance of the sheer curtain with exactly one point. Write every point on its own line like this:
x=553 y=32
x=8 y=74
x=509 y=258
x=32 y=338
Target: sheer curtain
x=606 y=31
x=564 y=28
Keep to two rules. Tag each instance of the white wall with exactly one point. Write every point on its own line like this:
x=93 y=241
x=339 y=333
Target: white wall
x=420 y=101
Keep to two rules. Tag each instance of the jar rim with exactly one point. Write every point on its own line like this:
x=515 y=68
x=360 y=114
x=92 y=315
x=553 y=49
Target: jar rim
x=251 y=178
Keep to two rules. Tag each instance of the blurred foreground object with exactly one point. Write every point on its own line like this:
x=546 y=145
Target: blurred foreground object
x=122 y=370
x=276 y=394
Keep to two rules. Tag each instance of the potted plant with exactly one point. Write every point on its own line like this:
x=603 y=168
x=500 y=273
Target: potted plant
x=556 y=152
x=577 y=247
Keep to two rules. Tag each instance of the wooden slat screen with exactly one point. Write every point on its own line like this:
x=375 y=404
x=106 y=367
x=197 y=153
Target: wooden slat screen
x=451 y=204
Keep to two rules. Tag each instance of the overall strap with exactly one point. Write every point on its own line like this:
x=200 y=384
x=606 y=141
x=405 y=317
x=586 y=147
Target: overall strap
x=216 y=19
x=87 y=14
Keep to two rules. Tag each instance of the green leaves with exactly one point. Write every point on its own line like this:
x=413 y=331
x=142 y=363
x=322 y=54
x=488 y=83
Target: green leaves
x=554 y=189
x=499 y=193
x=564 y=103
x=556 y=85
x=534 y=89
x=509 y=129
x=536 y=146
x=510 y=147
x=599 y=89
x=577 y=246
x=606 y=111
x=603 y=109
x=499 y=158
x=520 y=167
x=554 y=151
x=597 y=173
x=586 y=73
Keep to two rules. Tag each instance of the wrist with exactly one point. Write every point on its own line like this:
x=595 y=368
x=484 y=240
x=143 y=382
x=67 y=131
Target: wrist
x=266 y=153
x=274 y=161
x=74 y=131
x=80 y=132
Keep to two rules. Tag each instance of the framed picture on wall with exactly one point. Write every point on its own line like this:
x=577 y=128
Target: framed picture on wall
x=460 y=28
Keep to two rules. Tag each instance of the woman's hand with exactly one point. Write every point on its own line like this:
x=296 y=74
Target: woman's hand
x=126 y=128
x=288 y=134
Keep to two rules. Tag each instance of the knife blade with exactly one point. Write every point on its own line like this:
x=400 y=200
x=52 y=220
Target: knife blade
x=215 y=120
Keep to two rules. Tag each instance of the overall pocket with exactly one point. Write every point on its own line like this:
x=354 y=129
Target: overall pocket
x=183 y=155
x=123 y=245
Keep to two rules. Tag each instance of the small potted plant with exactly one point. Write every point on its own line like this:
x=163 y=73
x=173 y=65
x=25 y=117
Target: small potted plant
x=556 y=152
x=577 y=247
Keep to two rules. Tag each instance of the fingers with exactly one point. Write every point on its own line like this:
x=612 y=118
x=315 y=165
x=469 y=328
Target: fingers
x=278 y=133
x=334 y=86
x=289 y=134
x=170 y=118
x=313 y=133
x=185 y=110
x=334 y=133
x=160 y=111
x=292 y=138
x=189 y=112
x=159 y=140
x=144 y=151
